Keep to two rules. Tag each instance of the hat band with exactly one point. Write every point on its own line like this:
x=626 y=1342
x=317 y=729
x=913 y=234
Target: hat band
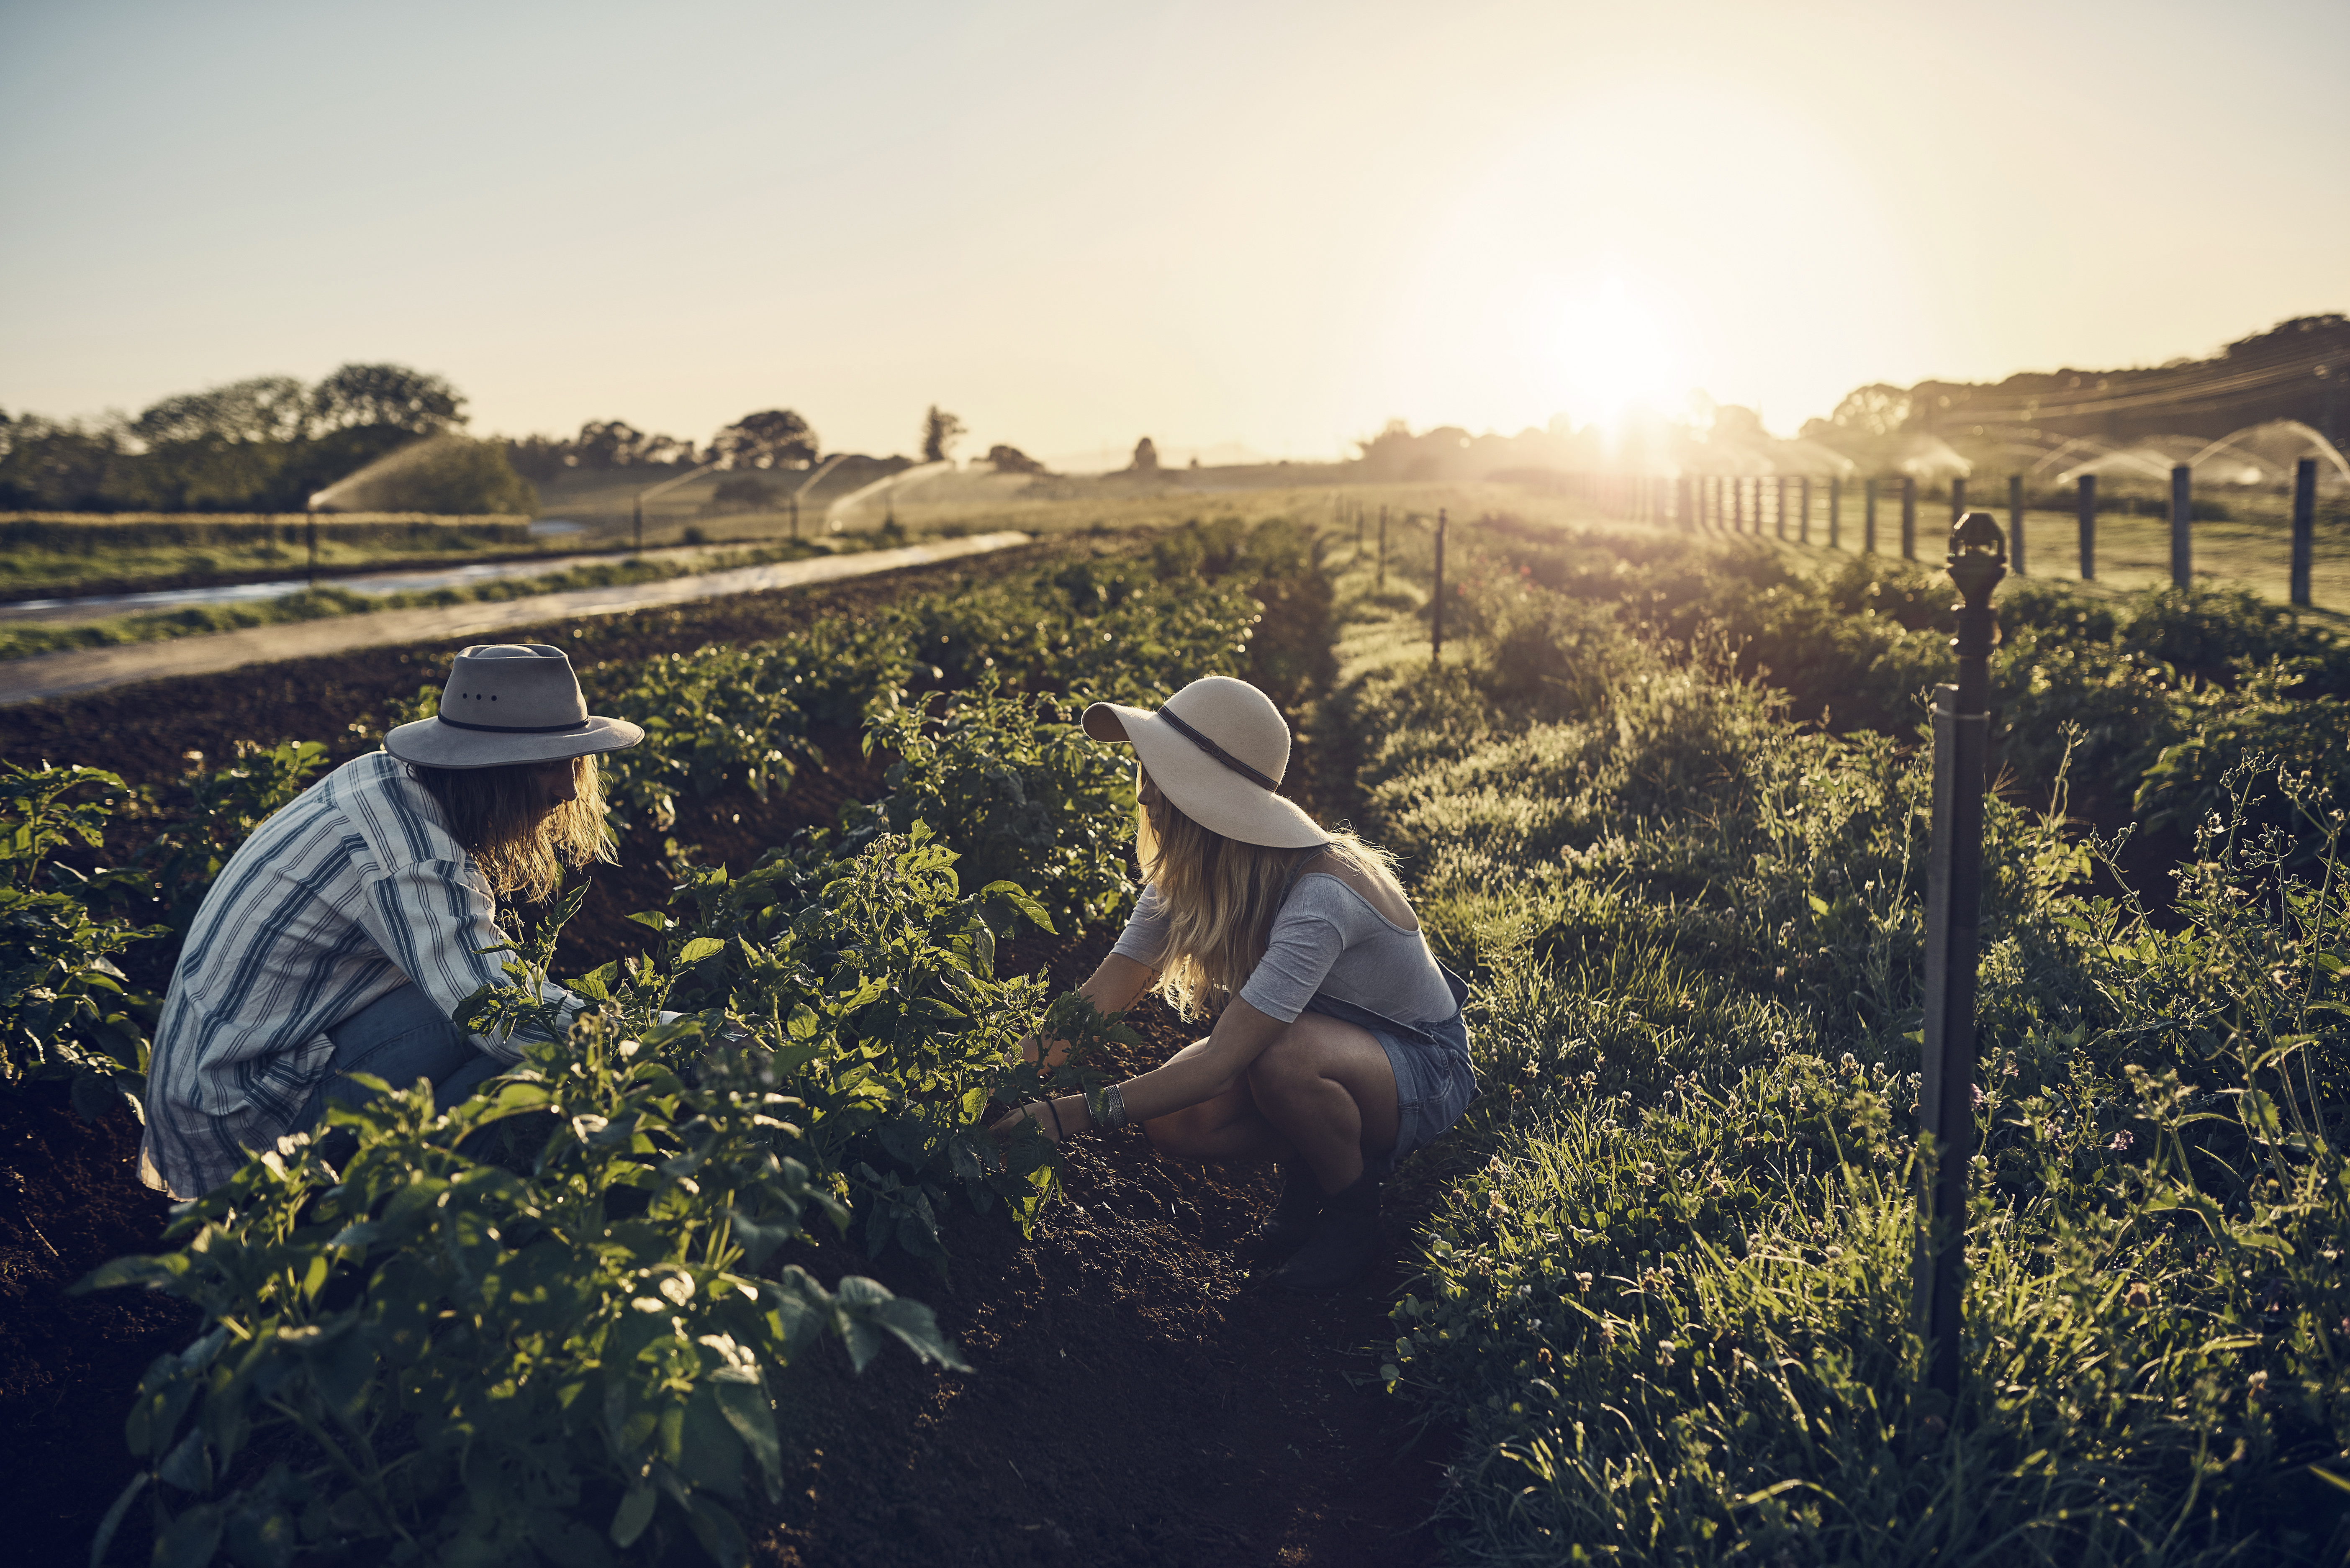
x=515 y=729
x=1218 y=751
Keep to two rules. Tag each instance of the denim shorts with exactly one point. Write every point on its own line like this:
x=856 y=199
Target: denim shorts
x=1434 y=1082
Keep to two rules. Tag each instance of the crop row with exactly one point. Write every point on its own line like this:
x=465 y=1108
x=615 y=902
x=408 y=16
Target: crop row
x=545 y=1323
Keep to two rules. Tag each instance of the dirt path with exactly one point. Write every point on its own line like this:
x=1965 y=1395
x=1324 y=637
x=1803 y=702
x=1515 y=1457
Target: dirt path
x=95 y=669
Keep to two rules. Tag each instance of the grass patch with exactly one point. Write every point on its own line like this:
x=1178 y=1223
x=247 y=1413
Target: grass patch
x=1665 y=1292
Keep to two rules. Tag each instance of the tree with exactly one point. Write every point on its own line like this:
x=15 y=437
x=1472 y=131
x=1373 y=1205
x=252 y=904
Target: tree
x=1146 y=457
x=272 y=408
x=389 y=396
x=1873 y=411
x=940 y=432
x=1012 y=459
x=776 y=438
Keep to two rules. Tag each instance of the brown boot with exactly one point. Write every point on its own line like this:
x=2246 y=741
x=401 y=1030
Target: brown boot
x=1344 y=1240
x=1286 y=1229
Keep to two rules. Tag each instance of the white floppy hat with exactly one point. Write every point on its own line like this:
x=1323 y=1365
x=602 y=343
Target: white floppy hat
x=1218 y=749
x=509 y=703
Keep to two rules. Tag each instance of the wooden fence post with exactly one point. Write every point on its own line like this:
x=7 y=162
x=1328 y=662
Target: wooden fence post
x=1836 y=510
x=1910 y=517
x=1383 y=550
x=1868 y=523
x=1946 y=1096
x=2305 y=526
x=2015 y=522
x=2089 y=506
x=1779 y=508
x=2182 y=513
x=1436 y=603
x=1803 y=518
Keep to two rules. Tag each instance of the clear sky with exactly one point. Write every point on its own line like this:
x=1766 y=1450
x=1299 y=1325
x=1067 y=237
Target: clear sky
x=1276 y=224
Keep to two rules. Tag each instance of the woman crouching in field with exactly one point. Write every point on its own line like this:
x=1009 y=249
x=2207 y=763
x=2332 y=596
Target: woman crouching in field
x=1302 y=943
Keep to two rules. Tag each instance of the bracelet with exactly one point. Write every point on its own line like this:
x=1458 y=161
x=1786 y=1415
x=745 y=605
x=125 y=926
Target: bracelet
x=1106 y=1106
x=1060 y=1133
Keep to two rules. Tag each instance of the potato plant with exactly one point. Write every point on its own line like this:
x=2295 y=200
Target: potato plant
x=542 y=1323
x=65 y=1011
x=1022 y=790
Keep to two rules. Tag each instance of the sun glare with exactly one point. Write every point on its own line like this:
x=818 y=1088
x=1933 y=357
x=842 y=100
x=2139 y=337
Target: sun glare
x=1611 y=350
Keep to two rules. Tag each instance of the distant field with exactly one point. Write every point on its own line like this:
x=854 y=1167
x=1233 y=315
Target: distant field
x=2133 y=552
x=59 y=552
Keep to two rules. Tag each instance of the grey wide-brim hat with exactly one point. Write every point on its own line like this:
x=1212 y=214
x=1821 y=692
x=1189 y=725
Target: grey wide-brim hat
x=509 y=703
x=1218 y=749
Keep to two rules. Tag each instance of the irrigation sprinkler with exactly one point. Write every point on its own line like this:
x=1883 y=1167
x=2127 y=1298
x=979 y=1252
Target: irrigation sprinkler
x=2305 y=526
x=2015 y=522
x=1436 y=615
x=804 y=486
x=652 y=490
x=1957 y=498
x=1978 y=560
x=1910 y=517
x=2088 y=505
x=2182 y=521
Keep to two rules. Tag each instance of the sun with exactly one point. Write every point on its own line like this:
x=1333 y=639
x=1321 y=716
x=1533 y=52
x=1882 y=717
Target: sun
x=1612 y=346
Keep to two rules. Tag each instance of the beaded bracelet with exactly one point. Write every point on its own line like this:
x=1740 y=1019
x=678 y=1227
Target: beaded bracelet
x=1106 y=1106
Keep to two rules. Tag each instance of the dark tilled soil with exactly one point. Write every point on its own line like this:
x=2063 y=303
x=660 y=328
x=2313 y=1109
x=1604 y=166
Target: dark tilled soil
x=1136 y=1395
x=70 y=1199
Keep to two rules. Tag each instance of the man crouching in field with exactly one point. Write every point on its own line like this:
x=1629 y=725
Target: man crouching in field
x=342 y=936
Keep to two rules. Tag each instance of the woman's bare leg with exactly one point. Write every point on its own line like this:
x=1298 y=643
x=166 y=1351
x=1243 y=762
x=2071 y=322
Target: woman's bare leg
x=1326 y=1089
x=1226 y=1129
x=1322 y=1092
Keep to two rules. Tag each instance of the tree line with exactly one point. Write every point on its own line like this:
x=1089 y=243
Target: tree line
x=270 y=443
x=266 y=444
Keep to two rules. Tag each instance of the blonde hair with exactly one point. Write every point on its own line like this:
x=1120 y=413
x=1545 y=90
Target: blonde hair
x=1221 y=897
x=521 y=847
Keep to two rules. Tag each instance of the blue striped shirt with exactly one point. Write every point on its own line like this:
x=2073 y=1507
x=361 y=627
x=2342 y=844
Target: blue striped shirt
x=353 y=890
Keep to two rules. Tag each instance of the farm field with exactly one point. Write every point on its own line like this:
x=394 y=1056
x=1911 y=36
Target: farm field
x=48 y=554
x=1648 y=1301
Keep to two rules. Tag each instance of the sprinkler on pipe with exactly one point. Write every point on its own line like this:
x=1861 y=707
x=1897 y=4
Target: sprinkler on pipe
x=316 y=499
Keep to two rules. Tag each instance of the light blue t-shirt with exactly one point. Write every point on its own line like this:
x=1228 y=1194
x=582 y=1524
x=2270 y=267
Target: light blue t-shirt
x=1326 y=938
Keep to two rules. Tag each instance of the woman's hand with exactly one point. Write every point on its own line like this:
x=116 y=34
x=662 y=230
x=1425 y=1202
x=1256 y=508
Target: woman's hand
x=1072 y=1118
x=1037 y=1112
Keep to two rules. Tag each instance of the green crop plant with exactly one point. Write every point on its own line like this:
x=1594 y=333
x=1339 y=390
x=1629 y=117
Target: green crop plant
x=542 y=1323
x=1025 y=793
x=65 y=1012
